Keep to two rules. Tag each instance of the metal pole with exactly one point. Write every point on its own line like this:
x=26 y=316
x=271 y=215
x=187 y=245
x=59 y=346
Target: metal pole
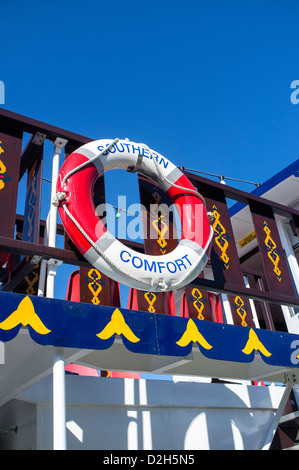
x=59 y=405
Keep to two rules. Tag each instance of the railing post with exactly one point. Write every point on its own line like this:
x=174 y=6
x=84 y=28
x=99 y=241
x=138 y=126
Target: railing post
x=291 y=258
x=59 y=405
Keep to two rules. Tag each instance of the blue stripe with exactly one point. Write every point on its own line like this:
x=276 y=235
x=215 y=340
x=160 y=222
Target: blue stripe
x=291 y=170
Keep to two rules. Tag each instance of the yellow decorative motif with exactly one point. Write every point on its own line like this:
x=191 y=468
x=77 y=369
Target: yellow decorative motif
x=221 y=237
x=117 y=325
x=4 y=177
x=95 y=283
x=30 y=290
x=159 y=222
x=30 y=209
x=193 y=335
x=272 y=250
x=254 y=344
x=241 y=309
x=151 y=298
x=2 y=173
x=25 y=315
x=198 y=302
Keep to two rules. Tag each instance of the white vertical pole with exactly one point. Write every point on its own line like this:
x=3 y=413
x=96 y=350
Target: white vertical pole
x=253 y=311
x=59 y=406
x=287 y=246
x=288 y=312
x=227 y=309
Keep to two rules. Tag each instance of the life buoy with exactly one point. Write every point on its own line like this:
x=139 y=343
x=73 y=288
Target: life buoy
x=74 y=199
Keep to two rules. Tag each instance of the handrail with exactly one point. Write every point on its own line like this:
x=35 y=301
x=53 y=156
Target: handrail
x=26 y=124
x=244 y=197
x=9 y=119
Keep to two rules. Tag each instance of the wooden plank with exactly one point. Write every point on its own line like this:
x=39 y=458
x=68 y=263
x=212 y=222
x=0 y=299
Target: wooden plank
x=32 y=152
x=26 y=124
x=96 y=287
x=10 y=155
x=160 y=238
x=241 y=196
x=24 y=278
x=277 y=275
x=224 y=257
x=33 y=199
x=160 y=234
x=198 y=303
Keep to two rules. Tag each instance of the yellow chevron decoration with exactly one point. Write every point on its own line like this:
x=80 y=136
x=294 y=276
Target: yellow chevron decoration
x=95 y=284
x=151 y=298
x=118 y=326
x=4 y=177
x=25 y=315
x=254 y=344
x=272 y=250
x=80 y=325
x=221 y=237
x=241 y=309
x=192 y=334
x=198 y=302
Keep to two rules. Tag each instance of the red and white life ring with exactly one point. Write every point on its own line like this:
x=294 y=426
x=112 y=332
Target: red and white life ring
x=105 y=252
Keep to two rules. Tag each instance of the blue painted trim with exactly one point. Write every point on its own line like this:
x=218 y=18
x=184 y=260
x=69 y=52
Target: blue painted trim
x=291 y=170
x=77 y=325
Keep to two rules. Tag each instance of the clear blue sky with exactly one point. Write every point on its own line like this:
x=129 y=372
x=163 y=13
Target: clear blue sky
x=206 y=83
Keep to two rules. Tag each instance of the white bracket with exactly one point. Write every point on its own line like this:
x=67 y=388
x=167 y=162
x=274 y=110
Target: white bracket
x=35 y=260
x=59 y=144
x=53 y=265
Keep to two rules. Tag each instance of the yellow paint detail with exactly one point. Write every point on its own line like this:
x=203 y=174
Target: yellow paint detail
x=159 y=222
x=193 y=335
x=25 y=315
x=151 y=298
x=198 y=302
x=254 y=343
x=221 y=237
x=272 y=250
x=2 y=170
x=94 y=285
x=31 y=282
x=117 y=325
x=241 y=309
x=2 y=167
